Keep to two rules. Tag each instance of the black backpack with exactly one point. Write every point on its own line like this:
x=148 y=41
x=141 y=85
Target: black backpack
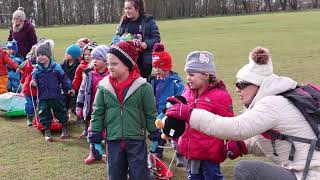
x=307 y=99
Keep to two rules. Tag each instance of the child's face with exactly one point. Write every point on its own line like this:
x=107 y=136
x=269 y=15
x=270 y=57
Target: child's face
x=87 y=55
x=10 y=51
x=197 y=80
x=99 y=64
x=160 y=72
x=68 y=57
x=130 y=11
x=43 y=59
x=115 y=66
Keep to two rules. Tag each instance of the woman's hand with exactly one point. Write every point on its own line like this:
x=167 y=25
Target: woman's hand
x=144 y=45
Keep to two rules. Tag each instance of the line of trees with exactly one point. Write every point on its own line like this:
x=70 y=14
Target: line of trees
x=50 y=12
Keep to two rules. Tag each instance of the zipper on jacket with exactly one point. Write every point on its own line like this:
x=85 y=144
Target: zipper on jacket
x=189 y=137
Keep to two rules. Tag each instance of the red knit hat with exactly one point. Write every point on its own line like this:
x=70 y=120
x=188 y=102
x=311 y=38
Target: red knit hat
x=126 y=52
x=161 y=58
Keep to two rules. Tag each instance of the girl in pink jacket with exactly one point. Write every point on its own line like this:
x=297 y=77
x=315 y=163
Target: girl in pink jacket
x=204 y=153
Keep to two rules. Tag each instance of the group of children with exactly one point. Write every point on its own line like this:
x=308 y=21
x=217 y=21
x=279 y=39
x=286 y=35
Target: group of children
x=103 y=87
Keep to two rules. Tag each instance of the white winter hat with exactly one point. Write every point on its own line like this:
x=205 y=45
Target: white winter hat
x=19 y=13
x=259 y=67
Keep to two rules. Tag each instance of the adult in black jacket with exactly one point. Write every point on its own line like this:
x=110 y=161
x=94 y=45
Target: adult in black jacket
x=136 y=22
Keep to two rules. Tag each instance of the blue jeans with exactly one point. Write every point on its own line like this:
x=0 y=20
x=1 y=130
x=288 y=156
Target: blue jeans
x=29 y=106
x=207 y=171
x=127 y=157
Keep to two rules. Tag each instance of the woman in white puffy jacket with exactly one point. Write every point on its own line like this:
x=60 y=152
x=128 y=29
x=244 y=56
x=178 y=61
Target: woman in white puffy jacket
x=258 y=89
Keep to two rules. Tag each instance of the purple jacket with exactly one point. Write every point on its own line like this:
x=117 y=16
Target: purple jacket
x=25 y=38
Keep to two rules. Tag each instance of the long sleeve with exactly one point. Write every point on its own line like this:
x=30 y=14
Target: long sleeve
x=81 y=93
x=99 y=111
x=149 y=108
x=155 y=35
x=262 y=117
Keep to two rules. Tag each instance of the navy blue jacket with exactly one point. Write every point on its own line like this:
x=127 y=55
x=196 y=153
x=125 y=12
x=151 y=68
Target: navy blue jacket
x=150 y=35
x=51 y=81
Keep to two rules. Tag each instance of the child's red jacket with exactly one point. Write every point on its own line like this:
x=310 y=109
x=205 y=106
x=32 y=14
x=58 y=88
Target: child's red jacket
x=4 y=61
x=26 y=76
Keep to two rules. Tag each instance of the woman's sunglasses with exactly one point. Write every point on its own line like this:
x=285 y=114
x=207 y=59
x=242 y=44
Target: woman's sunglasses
x=242 y=85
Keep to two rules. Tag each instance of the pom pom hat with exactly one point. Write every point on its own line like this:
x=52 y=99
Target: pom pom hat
x=161 y=58
x=259 y=67
x=19 y=14
x=126 y=52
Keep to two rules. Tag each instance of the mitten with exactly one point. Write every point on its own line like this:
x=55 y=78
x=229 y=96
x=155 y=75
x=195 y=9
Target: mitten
x=236 y=149
x=179 y=111
x=94 y=137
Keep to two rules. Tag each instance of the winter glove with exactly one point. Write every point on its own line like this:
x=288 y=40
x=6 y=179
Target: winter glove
x=79 y=111
x=94 y=137
x=33 y=83
x=236 y=149
x=179 y=111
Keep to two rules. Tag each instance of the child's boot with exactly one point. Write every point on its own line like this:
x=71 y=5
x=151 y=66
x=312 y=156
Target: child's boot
x=29 y=120
x=90 y=159
x=64 y=134
x=180 y=160
x=47 y=135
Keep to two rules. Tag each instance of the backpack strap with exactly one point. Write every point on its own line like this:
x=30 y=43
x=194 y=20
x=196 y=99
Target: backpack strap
x=314 y=145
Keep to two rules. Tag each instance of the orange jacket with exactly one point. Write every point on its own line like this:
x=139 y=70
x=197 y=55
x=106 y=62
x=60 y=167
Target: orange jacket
x=5 y=60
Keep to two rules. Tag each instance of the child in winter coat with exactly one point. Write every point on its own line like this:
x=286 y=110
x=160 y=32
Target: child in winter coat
x=88 y=90
x=13 y=76
x=166 y=83
x=69 y=66
x=204 y=153
x=4 y=61
x=124 y=105
x=49 y=77
x=85 y=60
x=29 y=92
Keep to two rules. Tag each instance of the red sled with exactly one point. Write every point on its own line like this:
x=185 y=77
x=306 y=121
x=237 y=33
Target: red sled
x=159 y=169
x=55 y=126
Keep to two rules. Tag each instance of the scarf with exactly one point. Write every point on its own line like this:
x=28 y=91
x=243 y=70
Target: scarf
x=121 y=88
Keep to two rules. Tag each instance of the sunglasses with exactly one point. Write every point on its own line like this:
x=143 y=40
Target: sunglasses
x=242 y=85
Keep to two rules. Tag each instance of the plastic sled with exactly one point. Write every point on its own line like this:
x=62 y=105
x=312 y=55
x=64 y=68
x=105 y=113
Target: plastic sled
x=158 y=168
x=55 y=126
x=12 y=104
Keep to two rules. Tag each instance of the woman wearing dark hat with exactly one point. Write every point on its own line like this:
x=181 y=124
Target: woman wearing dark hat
x=136 y=22
x=258 y=88
x=23 y=32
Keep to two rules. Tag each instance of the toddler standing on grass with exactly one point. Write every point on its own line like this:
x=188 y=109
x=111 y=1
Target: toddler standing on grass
x=4 y=61
x=124 y=105
x=13 y=76
x=49 y=78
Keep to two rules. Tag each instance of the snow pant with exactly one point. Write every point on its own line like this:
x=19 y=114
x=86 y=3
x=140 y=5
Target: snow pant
x=257 y=170
x=30 y=104
x=58 y=109
x=204 y=170
x=14 y=83
x=127 y=157
x=3 y=84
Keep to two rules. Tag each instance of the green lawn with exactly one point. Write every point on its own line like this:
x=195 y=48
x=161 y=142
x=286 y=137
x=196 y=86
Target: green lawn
x=293 y=39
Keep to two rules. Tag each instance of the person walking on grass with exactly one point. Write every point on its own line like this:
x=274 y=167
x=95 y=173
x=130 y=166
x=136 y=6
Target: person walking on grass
x=50 y=79
x=13 y=76
x=258 y=88
x=125 y=106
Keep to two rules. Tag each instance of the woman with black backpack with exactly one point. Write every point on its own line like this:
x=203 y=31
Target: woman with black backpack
x=292 y=145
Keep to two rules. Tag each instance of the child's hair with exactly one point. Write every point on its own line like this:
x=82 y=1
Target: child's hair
x=212 y=79
x=138 y=4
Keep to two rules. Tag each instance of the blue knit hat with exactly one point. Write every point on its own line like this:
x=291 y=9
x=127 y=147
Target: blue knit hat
x=13 y=45
x=100 y=52
x=74 y=51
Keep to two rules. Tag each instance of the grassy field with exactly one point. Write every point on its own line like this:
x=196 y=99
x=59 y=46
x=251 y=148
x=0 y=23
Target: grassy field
x=293 y=39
